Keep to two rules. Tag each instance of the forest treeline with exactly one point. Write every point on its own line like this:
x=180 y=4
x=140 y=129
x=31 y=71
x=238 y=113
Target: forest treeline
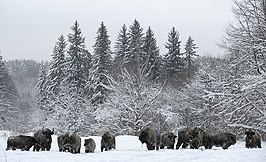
x=136 y=86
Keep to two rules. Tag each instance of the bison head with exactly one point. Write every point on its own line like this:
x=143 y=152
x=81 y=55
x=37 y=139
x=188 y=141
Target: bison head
x=249 y=136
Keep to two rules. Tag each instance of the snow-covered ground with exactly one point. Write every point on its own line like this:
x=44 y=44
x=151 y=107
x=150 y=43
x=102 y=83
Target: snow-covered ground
x=129 y=148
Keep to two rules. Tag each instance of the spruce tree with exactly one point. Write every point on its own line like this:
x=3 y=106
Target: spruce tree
x=151 y=56
x=99 y=83
x=75 y=78
x=8 y=98
x=121 y=47
x=133 y=57
x=173 y=61
x=190 y=51
x=42 y=89
x=56 y=70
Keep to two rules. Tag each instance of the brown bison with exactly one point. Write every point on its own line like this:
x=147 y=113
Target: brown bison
x=197 y=138
x=151 y=138
x=44 y=139
x=60 y=142
x=223 y=140
x=89 y=145
x=20 y=142
x=253 y=139
x=72 y=143
x=168 y=140
x=107 y=141
x=183 y=138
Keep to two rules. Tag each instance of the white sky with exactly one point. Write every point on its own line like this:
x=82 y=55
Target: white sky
x=30 y=28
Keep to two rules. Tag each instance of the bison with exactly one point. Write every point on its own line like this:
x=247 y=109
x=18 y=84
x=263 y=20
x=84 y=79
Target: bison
x=107 y=141
x=60 y=142
x=168 y=140
x=72 y=143
x=223 y=140
x=44 y=139
x=253 y=139
x=20 y=142
x=183 y=138
x=89 y=145
x=151 y=138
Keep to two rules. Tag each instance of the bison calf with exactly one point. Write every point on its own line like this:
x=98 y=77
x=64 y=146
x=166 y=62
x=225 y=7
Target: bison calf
x=253 y=139
x=72 y=143
x=89 y=145
x=107 y=142
x=223 y=140
x=20 y=142
x=168 y=140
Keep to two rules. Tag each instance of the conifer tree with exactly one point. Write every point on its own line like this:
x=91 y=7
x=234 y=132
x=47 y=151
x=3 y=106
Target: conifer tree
x=99 y=85
x=133 y=57
x=8 y=97
x=151 y=56
x=121 y=47
x=42 y=89
x=173 y=62
x=56 y=70
x=190 y=51
x=75 y=77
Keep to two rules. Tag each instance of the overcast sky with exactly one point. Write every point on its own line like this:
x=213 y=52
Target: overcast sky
x=30 y=28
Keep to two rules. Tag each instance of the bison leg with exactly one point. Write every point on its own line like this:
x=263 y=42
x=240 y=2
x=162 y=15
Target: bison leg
x=259 y=144
x=162 y=147
x=184 y=145
x=178 y=144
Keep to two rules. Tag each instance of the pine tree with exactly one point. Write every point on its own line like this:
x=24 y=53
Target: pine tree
x=133 y=57
x=173 y=62
x=56 y=70
x=151 y=56
x=121 y=47
x=190 y=51
x=98 y=86
x=75 y=77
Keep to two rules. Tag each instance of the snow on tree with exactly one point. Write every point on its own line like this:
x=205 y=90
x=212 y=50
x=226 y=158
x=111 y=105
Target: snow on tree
x=245 y=43
x=190 y=51
x=8 y=98
x=121 y=47
x=56 y=71
x=98 y=86
x=42 y=88
x=173 y=61
x=131 y=105
x=75 y=78
x=134 y=56
x=151 y=56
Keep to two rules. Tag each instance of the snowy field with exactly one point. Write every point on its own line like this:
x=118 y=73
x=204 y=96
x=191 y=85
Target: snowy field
x=129 y=149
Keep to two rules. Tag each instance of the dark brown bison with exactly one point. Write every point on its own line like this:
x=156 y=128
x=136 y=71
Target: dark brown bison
x=253 y=139
x=107 y=142
x=20 y=142
x=151 y=138
x=168 y=140
x=197 y=138
x=89 y=145
x=60 y=142
x=223 y=140
x=183 y=138
x=44 y=139
x=72 y=143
